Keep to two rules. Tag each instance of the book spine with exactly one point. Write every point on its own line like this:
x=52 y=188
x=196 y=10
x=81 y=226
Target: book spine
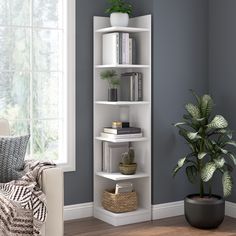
x=131 y=88
x=123 y=48
x=136 y=86
x=127 y=48
x=117 y=48
x=115 y=136
x=140 y=87
x=122 y=131
x=133 y=51
x=130 y=50
x=120 y=48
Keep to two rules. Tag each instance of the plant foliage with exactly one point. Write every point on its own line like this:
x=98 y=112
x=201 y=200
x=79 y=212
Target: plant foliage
x=119 y=6
x=210 y=142
x=111 y=77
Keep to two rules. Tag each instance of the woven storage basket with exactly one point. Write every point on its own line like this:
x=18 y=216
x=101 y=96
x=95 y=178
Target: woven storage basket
x=121 y=202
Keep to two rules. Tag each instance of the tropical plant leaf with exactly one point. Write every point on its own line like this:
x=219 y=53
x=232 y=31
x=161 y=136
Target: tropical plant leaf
x=232 y=157
x=193 y=135
x=179 y=165
x=208 y=171
x=223 y=150
x=192 y=173
x=232 y=143
x=180 y=123
x=219 y=122
x=219 y=162
x=195 y=95
x=227 y=182
x=201 y=155
x=206 y=105
x=183 y=133
x=193 y=110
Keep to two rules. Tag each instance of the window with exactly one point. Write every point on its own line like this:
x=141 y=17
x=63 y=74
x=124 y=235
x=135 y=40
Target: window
x=37 y=75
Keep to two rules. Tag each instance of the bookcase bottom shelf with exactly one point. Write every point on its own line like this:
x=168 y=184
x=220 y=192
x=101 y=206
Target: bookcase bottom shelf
x=116 y=219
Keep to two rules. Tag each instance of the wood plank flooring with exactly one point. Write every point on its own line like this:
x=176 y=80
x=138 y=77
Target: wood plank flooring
x=175 y=226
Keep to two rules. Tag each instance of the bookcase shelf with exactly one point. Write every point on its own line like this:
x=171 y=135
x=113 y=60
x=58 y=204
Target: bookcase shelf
x=119 y=176
x=122 y=140
x=122 y=29
x=138 y=113
x=121 y=66
x=122 y=103
x=140 y=215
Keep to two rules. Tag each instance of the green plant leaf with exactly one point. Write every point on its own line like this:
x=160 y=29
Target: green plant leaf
x=219 y=162
x=179 y=165
x=193 y=110
x=223 y=150
x=201 y=155
x=195 y=95
x=227 y=182
x=219 y=122
x=192 y=173
x=232 y=157
x=193 y=135
x=180 y=123
x=208 y=171
x=206 y=105
x=232 y=143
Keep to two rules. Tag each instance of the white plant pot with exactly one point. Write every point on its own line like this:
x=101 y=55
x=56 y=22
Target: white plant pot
x=119 y=19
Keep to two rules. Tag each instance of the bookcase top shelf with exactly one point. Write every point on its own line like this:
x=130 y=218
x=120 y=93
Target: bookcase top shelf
x=122 y=103
x=119 y=176
x=122 y=29
x=122 y=140
x=122 y=66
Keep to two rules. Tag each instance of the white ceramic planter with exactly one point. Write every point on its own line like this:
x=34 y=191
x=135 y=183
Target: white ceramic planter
x=119 y=19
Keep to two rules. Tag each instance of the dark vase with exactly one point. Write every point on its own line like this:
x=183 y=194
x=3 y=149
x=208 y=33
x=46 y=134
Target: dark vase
x=112 y=94
x=204 y=213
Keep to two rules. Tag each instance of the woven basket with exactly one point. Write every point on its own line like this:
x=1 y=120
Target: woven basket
x=121 y=202
x=128 y=169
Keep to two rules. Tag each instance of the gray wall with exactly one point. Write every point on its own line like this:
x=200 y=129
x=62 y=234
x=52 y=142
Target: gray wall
x=222 y=60
x=180 y=58
x=180 y=46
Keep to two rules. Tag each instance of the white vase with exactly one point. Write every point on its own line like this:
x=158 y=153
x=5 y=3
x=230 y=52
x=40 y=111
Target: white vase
x=119 y=19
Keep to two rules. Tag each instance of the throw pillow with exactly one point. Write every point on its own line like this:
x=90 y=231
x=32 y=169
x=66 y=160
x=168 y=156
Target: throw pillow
x=12 y=154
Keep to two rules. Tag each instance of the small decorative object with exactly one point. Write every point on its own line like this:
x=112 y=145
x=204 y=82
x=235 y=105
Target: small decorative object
x=119 y=12
x=113 y=82
x=208 y=138
x=127 y=167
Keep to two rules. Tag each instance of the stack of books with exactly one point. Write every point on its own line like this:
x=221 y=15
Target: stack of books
x=118 y=48
x=121 y=133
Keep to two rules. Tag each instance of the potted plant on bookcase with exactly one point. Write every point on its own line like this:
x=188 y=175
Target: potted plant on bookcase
x=209 y=139
x=119 y=12
x=113 y=82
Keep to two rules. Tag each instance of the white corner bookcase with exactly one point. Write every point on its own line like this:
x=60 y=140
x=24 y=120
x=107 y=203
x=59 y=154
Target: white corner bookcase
x=139 y=116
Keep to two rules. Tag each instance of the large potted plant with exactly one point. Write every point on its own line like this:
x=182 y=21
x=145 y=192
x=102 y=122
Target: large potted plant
x=113 y=82
x=119 y=12
x=209 y=141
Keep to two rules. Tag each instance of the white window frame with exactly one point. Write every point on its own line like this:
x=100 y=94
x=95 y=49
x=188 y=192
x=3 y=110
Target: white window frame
x=70 y=75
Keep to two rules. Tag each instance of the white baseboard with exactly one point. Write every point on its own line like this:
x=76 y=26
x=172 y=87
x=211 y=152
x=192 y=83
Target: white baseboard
x=78 y=211
x=166 y=210
x=230 y=209
x=159 y=211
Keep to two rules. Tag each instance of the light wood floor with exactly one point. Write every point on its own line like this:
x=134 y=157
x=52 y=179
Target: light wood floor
x=175 y=226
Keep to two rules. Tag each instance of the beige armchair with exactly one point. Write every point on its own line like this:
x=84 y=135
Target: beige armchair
x=52 y=184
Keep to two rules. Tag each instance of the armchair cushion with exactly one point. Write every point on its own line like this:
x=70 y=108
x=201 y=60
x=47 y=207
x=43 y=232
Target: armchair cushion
x=12 y=154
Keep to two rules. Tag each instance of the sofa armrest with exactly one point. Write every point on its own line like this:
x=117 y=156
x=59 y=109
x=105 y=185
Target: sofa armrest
x=52 y=184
